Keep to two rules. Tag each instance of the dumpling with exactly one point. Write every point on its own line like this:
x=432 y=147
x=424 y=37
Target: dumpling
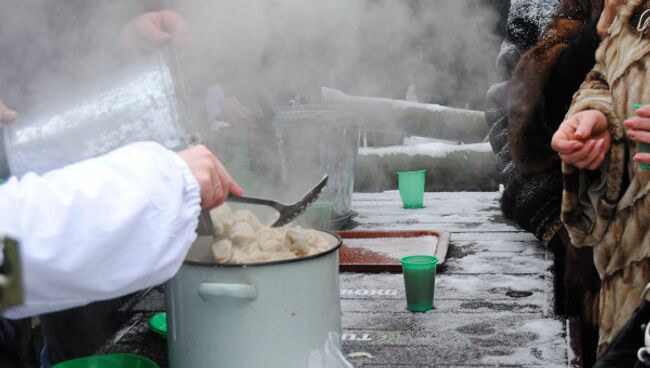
x=222 y=219
x=247 y=217
x=241 y=234
x=222 y=250
x=246 y=240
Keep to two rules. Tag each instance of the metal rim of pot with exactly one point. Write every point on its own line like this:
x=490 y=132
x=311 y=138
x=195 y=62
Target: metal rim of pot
x=339 y=243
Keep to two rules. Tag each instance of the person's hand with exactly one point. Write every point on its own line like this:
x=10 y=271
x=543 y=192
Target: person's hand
x=607 y=17
x=235 y=111
x=583 y=140
x=638 y=129
x=155 y=29
x=6 y=114
x=215 y=182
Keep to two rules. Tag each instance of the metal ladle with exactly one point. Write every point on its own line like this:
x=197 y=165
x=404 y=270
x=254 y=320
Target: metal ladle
x=287 y=212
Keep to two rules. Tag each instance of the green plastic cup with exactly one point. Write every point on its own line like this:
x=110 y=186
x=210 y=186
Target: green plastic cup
x=158 y=324
x=109 y=361
x=642 y=147
x=317 y=216
x=419 y=281
x=411 y=188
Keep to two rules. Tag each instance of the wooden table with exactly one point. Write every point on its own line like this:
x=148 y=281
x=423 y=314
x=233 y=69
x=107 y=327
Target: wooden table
x=494 y=296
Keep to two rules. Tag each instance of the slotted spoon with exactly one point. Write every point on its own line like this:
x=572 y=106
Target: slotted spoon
x=290 y=211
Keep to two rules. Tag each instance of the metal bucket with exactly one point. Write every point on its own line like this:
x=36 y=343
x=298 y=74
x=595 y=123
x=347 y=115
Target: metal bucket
x=259 y=315
x=319 y=140
x=136 y=103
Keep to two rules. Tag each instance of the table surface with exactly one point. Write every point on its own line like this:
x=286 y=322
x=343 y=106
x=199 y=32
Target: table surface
x=493 y=298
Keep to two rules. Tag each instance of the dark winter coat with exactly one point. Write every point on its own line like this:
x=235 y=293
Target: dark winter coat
x=545 y=60
x=609 y=208
x=546 y=63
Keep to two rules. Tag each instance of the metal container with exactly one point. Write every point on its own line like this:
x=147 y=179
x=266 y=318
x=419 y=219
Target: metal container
x=316 y=141
x=136 y=103
x=259 y=315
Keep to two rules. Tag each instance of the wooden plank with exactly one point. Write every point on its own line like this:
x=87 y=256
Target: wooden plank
x=372 y=365
x=448 y=305
x=498 y=263
x=535 y=249
x=519 y=236
x=448 y=286
x=474 y=227
x=393 y=195
x=453 y=338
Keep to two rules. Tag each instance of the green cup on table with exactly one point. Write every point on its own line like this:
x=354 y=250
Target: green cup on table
x=419 y=281
x=109 y=361
x=643 y=147
x=411 y=188
x=317 y=216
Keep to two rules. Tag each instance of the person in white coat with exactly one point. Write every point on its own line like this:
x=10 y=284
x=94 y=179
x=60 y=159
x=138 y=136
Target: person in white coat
x=111 y=225
x=108 y=226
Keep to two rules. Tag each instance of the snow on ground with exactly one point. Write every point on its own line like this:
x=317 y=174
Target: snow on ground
x=434 y=149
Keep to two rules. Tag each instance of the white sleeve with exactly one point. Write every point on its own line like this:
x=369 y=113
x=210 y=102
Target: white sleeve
x=101 y=228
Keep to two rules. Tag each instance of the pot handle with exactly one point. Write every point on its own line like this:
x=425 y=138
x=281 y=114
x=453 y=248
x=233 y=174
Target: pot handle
x=235 y=291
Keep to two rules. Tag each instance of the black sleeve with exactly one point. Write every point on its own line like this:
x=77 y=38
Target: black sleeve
x=570 y=70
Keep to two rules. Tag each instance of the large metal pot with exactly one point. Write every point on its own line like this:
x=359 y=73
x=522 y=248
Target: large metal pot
x=314 y=141
x=259 y=315
x=136 y=103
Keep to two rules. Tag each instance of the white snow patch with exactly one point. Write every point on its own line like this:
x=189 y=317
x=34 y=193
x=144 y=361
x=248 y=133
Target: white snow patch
x=549 y=345
x=435 y=149
x=397 y=247
x=538 y=12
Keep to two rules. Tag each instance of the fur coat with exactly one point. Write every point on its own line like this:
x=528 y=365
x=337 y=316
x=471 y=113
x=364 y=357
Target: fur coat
x=609 y=209
x=523 y=113
x=517 y=110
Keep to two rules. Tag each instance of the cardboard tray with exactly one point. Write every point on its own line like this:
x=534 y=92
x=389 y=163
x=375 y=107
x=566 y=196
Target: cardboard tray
x=379 y=251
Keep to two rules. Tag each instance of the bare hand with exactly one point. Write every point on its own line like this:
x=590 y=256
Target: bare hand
x=607 y=17
x=215 y=182
x=235 y=111
x=7 y=114
x=638 y=129
x=155 y=29
x=583 y=140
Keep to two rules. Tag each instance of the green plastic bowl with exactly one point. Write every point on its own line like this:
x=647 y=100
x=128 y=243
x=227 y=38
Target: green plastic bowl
x=158 y=324
x=109 y=361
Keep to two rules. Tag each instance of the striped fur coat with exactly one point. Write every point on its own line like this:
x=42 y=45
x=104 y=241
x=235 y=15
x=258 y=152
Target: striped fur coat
x=609 y=209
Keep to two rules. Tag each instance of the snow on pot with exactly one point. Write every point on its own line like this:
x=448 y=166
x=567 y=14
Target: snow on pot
x=270 y=314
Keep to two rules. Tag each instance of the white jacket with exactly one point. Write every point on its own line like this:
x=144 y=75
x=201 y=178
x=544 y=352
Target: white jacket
x=100 y=228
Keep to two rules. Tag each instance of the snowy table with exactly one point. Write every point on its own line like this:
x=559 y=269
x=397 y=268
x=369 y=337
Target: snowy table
x=494 y=296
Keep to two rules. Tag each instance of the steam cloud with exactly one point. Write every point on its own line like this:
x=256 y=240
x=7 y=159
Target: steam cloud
x=280 y=49
x=447 y=49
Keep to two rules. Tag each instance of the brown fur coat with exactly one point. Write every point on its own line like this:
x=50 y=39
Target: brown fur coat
x=533 y=180
x=529 y=136
x=609 y=209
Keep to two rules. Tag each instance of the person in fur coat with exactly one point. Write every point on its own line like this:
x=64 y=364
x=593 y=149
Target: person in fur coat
x=546 y=59
x=605 y=202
